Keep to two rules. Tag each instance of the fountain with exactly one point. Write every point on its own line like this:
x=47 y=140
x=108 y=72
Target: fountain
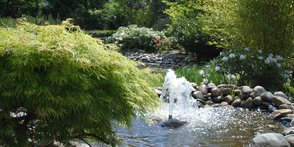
x=177 y=93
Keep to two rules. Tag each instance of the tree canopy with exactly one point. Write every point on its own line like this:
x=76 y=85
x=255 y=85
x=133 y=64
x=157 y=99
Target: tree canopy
x=57 y=84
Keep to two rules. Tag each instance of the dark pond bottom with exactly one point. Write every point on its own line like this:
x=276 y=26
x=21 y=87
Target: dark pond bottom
x=213 y=127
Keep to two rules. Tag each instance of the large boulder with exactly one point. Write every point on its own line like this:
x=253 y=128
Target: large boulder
x=269 y=140
x=258 y=90
x=280 y=100
x=290 y=139
x=215 y=92
x=281 y=94
x=267 y=96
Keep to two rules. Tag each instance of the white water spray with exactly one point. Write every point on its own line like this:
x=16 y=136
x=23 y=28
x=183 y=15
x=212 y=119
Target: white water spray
x=177 y=91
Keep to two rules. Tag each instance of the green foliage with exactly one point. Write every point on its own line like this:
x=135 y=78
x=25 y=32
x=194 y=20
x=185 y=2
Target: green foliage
x=133 y=37
x=57 y=84
x=256 y=68
x=202 y=74
x=257 y=24
x=186 y=28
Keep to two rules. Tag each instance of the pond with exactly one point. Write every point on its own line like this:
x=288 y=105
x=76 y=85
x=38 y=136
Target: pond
x=220 y=126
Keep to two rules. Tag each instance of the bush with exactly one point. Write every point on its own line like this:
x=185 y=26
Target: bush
x=186 y=28
x=133 y=37
x=256 y=68
x=58 y=84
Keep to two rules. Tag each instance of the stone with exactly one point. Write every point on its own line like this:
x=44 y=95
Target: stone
x=279 y=113
x=236 y=103
x=257 y=101
x=285 y=106
x=237 y=92
x=215 y=92
x=209 y=102
x=172 y=123
x=288 y=131
x=248 y=103
x=280 y=100
x=218 y=99
x=222 y=85
x=290 y=140
x=292 y=123
x=224 y=104
x=203 y=89
x=267 y=96
x=246 y=90
x=281 y=94
x=210 y=86
x=226 y=91
x=258 y=90
x=197 y=95
x=271 y=108
x=194 y=85
x=286 y=121
x=269 y=140
x=229 y=99
x=216 y=105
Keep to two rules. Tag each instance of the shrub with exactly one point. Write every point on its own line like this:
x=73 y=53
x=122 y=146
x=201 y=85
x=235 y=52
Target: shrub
x=58 y=84
x=256 y=68
x=186 y=28
x=133 y=37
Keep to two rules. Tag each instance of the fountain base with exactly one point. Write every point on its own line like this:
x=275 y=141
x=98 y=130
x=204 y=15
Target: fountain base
x=172 y=123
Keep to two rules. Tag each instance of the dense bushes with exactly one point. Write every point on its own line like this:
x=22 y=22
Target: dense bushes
x=186 y=28
x=255 y=68
x=57 y=84
x=133 y=37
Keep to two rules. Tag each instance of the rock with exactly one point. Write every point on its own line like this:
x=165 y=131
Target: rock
x=269 y=140
x=218 y=99
x=257 y=101
x=216 y=105
x=209 y=102
x=271 y=108
x=290 y=139
x=229 y=99
x=288 y=131
x=292 y=123
x=285 y=106
x=267 y=96
x=248 y=103
x=203 y=89
x=281 y=94
x=279 y=113
x=258 y=90
x=172 y=123
x=226 y=91
x=210 y=86
x=224 y=104
x=280 y=100
x=197 y=95
x=237 y=92
x=222 y=85
x=215 y=92
x=194 y=85
x=246 y=90
x=286 y=121
x=236 y=103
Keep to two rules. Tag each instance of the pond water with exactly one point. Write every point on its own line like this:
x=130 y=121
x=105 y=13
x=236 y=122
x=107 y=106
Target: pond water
x=220 y=126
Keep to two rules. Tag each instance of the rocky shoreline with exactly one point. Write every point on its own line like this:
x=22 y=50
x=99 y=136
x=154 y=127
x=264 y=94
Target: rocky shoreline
x=276 y=104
